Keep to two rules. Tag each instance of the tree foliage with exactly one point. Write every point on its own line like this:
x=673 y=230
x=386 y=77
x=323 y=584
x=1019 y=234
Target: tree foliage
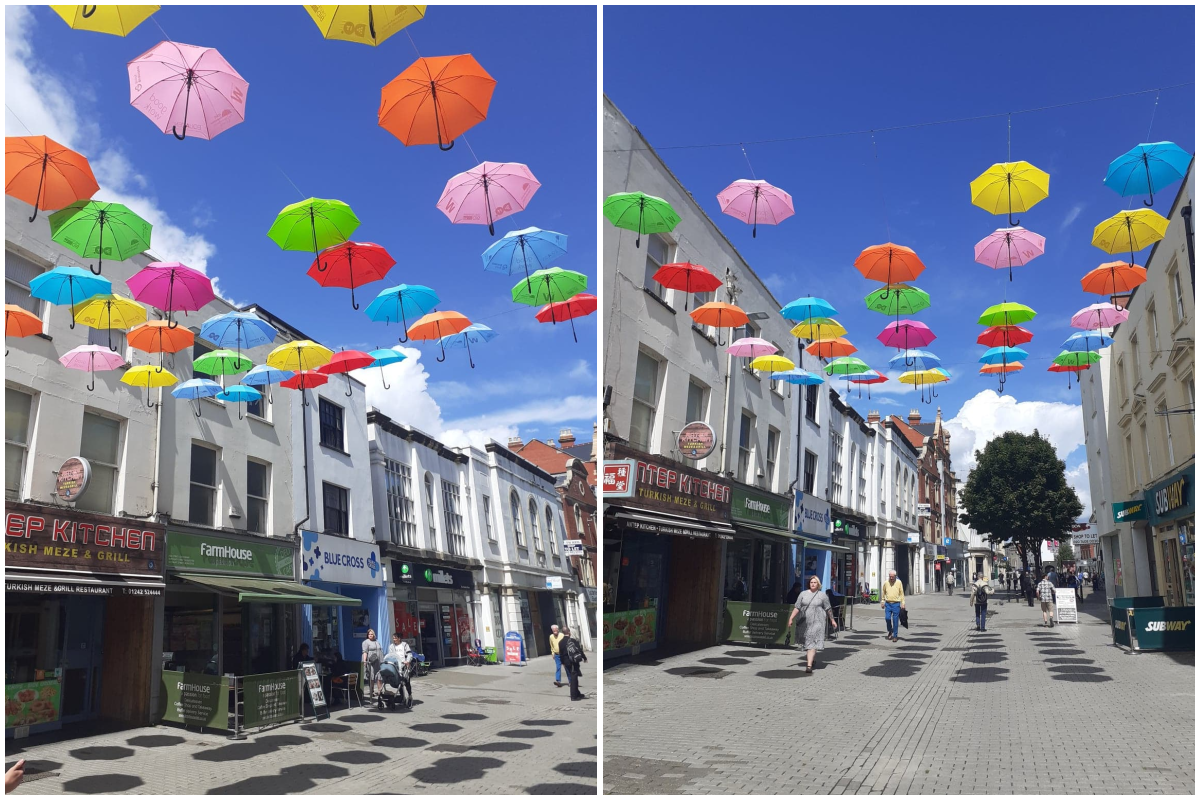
x=1018 y=492
x=1065 y=554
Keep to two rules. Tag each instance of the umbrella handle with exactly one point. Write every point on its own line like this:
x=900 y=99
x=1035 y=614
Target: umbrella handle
x=641 y=214
x=383 y=379
x=87 y=14
x=99 y=252
x=92 y=385
x=437 y=119
x=403 y=321
x=270 y=400
x=443 y=355
x=197 y=407
x=303 y=397
x=467 y=342
x=37 y=199
x=186 y=101
x=149 y=404
x=1145 y=161
x=241 y=416
x=573 y=330
x=349 y=386
x=353 y=302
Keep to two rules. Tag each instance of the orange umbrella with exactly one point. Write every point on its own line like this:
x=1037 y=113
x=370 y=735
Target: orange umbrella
x=889 y=263
x=831 y=348
x=438 y=324
x=1115 y=277
x=157 y=336
x=43 y=173
x=1001 y=369
x=19 y=322
x=436 y=100
x=719 y=315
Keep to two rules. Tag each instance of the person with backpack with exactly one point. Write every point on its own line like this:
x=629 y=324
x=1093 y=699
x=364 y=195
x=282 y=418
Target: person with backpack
x=573 y=650
x=979 y=592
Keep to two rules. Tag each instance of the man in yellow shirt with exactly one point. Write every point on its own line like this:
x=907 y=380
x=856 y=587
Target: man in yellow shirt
x=555 y=638
x=891 y=596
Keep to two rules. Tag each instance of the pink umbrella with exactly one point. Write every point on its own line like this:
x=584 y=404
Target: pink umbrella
x=163 y=79
x=1099 y=315
x=487 y=193
x=756 y=201
x=92 y=357
x=906 y=333
x=751 y=347
x=1009 y=247
x=171 y=286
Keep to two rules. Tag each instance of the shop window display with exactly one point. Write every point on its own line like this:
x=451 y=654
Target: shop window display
x=189 y=632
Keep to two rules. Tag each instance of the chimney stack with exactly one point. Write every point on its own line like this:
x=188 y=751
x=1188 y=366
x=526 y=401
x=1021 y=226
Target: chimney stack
x=872 y=417
x=565 y=438
x=515 y=443
x=914 y=417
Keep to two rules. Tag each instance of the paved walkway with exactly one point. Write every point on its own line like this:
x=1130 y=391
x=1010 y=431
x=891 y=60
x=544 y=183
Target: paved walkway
x=945 y=710
x=487 y=730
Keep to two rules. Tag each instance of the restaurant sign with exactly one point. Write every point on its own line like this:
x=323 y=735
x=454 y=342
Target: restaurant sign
x=268 y=699
x=195 y=699
x=619 y=477
x=73 y=541
x=760 y=508
x=663 y=485
x=755 y=623
x=188 y=552
x=1129 y=510
x=696 y=440
x=1173 y=498
x=73 y=478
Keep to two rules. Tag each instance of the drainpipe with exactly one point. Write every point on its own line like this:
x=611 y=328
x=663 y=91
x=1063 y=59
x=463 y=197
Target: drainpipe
x=1186 y=211
x=304 y=446
x=731 y=294
x=157 y=457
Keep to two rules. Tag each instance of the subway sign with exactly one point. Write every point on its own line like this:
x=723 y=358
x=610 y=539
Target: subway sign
x=1173 y=498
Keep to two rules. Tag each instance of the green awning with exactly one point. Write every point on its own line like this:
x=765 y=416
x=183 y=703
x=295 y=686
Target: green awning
x=815 y=545
x=264 y=590
x=782 y=534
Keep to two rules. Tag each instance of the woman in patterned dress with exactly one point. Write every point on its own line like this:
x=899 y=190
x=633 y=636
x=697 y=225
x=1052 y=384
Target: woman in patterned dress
x=813 y=608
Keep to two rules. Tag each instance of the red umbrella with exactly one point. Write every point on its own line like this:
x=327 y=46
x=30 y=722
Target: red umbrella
x=578 y=306
x=687 y=277
x=1068 y=368
x=345 y=361
x=351 y=264
x=1004 y=336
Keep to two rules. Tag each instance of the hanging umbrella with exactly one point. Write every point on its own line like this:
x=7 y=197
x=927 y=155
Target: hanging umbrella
x=1009 y=247
x=487 y=193
x=164 y=80
x=756 y=201
x=93 y=229
x=363 y=24
x=157 y=336
x=1099 y=315
x=897 y=299
x=751 y=347
x=221 y=362
x=171 y=286
x=846 y=365
x=195 y=389
x=63 y=286
x=436 y=100
x=1083 y=358
x=43 y=173
x=798 y=377
x=117 y=20
x=580 y=305
x=868 y=379
x=914 y=359
x=687 y=277
x=1006 y=314
x=640 y=212
x=818 y=328
x=1086 y=341
x=385 y=357
x=265 y=375
x=772 y=363
x=1004 y=336
x=343 y=362
x=303 y=355
x=1147 y=167
x=518 y=250
x=808 y=309
x=336 y=266
x=1008 y=187
x=922 y=378
x=472 y=334
x=110 y=311
x=305 y=379
x=20 y=323
x=149 y=377
x=1001 y=369
x=831 y=348
x=313 y=224
x=437 y=325
x=1003 y=355
x=1129 y=231
x=399 y=303
x=719 y=315
x=91 y=357
x=1115 y=277
x=905 y=333
x=552 y=285
x=1068 y=368
x=238 y=330
x=890 y=264
x=240 y=394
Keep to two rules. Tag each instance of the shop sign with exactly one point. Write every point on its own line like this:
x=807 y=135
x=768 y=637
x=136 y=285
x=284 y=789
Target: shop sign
x=514 y=648
x=1064 y=606
x=1173 y=498
x=755 y=623
x=73 y=541
x=1129 y=510
x=554 y=582
x=1120 y=626
x=591 y=594
x=924 y=510
x=1087 y=536
x=573 y=547
x=188 y=552
x=673 y=530
x=664 y=485
x=847 y=529
x=696 y=440
x=312 y=682
x=760 y=508
x=31 y=703
x=196 y=699
x=94 y=589
x=336 y=559
x=268 y=699
x=410 y=573
x=811 y=517
x=619 y=478
x=1162 y=628
x=623 y=629
x=73 y=478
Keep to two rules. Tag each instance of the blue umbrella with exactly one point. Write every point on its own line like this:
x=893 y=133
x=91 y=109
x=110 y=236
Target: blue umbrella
x=1001 y=355
x=1086 y=341
x=384 y=357
x=914 y=359
x=64 y=286
x=518 y=248
x=475 y=333
x=240 y=394
x=195 y=389
x=263 y=375
x=798 y=377
x=1147 y=167
x=806 y=308
x=399 y=303
x=237 y=329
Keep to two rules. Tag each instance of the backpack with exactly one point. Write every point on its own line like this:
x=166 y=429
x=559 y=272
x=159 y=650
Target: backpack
x=981 y=594
x=574 y=651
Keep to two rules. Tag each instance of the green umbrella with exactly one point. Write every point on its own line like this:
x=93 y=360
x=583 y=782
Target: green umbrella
x=313 y=224
x=637 y=211
x=846 y=365
x=1081 y=359
x=221 y=362
x=897 y=298
x=551 y=285
x=1007 y=314
x=94 y=229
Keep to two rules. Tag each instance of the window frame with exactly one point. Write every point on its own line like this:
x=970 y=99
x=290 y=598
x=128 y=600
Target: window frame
x=514 y=502
x=489 y=528
x=430 y=511
x=98 y=464
x=534 y=526
x=836 y=441
x=810 y=476
x=811 y=401
x=214 y=488
x=772 y=454
x=344 y=513
x=323 y=404
x=265 y=499
x=651 y=406
x=702 y=414
x=401 y=508
x=456 y=538
x=38 y=305
x=649 y=284
x=550 y=532
x=18 y=492
x=746 y=447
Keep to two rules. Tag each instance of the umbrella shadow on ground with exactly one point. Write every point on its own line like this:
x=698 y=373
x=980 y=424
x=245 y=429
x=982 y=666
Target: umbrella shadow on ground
x=546 y=723
x=464 y=717
x=1063 y=651
x=399 y=742
x=103 y=784
x=456 y=769
x=38 y=766
x=101 y=753
x=1078 y=678
x=155 y=740
x=914 y=648
x=724 y=662
x=577 y=769
x=357 y=757
x=985 y=646
x=525 y=733
x=502 y=747
x=694 y=671
x=1069 y=660
x=561 y=788
x=363 y=718
x=777 y=674
x=892 y=668
x=325 y=727
x=436 y=727
x=746 y=653
x=917 y=656
x=290 y=780
x=984 y=658
x=244 y=751
x=1075 y=669
x=981 y=675
x=587 y=751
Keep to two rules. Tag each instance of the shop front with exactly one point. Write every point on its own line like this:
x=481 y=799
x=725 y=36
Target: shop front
x=80 y=595
x=1171 y=513
x=758 y=573
x=432 y=610
x=815 y=552
x=346 y=568
x=847 y=576
x=956 y=563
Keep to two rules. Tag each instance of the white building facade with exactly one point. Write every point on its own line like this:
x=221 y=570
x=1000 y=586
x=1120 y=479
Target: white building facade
x=897 y=540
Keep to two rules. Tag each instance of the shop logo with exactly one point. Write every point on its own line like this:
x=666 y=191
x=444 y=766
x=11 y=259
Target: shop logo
x=373 y=564
x=1170 y=497
x=758 y=505
x=1162 y=626
x=224 y=551
x=438 y=577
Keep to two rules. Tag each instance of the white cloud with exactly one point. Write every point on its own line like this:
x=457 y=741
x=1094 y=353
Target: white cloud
x=988 y=415
x=1077 y=478
x=582 y=371
x=1072 y=215
x=407 y=401
x=546 y=412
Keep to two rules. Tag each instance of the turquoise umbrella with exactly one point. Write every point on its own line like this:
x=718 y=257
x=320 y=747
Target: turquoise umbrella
x=384 y=357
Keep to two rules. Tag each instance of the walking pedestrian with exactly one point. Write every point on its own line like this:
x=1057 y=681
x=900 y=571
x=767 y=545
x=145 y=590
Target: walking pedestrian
x=1027 y=586
x=556 y=651
x=1095 y=582
x=891 y=600
x=1045 y=592
x=949 y=583
x=813 y=607
x=372 y=656
x=573 y=650
x=979 y=592
x=1077 y=582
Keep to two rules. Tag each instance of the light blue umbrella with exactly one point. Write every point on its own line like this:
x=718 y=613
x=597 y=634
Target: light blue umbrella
x=383 y=357
x=798 y=377
x=1086 y=341
x=68 y=286
x=195 y=389
x=860 y=379
x=807 y=308
x=914 y=358
x=524 y=248
x=1147 y=167
x=1001 y=355
x=240 y=394
x=472 y=334
x=238 y=330
x=263 y=375
x=399 y=303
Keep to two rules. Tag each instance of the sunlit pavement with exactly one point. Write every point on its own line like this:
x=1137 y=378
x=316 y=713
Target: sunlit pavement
x=1020 y=709
x=486 y=730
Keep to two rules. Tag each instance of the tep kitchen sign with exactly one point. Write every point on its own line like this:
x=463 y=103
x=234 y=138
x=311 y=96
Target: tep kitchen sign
x=336 y=559
x=664 y=485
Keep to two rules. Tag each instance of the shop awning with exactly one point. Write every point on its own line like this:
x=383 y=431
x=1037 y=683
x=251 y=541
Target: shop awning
x=16 y=580
x=679 y=526
x=812 y=544
x=770 y=531
x=263 y=590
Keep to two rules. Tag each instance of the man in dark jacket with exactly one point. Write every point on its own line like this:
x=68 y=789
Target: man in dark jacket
x=573 y=658
x=1027 y=587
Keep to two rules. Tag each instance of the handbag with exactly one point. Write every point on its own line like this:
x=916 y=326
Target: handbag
x=904 y=617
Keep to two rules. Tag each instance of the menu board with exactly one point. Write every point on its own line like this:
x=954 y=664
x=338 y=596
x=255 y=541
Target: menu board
x=195 y=699
x=316 y=692
x=630 y=628
x=31 y=703
x=271 y=698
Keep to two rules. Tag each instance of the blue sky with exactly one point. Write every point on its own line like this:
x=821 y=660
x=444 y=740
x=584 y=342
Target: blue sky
x=311 y=113
x=724 y=75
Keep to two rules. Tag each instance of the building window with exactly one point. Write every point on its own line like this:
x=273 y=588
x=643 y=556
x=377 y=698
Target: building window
x=1161 y=411
x=487 y=518
x=430 y=514
x=1149 y=457
x=1177 y=307
x=1135 y=480
x=533 y=525
x=1136 y=359
x=331 y=425
x=1122 y=380
x=202 y=503
x=578 y=523
x=882 y=484
x=745 y=436
x=645 y=398
x=18 y=272
x=258 y=492
x=810 y=471
x=256 y=408
x=515 y=507
x=402 y=524
x=1152 y=327
x=17 y=409
x=100 y=446
x=658 y=252
x=836 y=473
x=337 y=509
x=810 y=403
x=455 y=537
x=551 y=534
x=199 y=348
x=102 y=337
x=862 y=482
x=697 y=402
x=772 y=454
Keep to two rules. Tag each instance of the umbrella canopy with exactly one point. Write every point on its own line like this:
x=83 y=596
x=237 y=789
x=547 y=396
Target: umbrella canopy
x=265 y=375
x=93 y=229
x=196 y=388
x=20 y=323
x=719 y=315
x=182 y=87
x=386 y=356
x=149 y=377
x=305 y=379
x=1147 y=168
x=488 y=192
x=549 y=286
x=436 y=100
x=1085 y=341
x=870 y=376
x=240 y=394
x=581 y=305
x=298 y=356
x=687 y=277
x=523 y=250
x=171 y=286
x=45 y=174
x=110 y=311
x=1008 y=187
x=436 y=325
x=157 y=336
x=1006 y=314
x=897 y=299
x=1009 y=247
x=640 y=212
x=847 y=365
x=351 y=264
x=1002 y=368
x=363 y=24
x=1129 y=231
x=63 y=286
x=772 y=363
x=808 y=309
x=889 y=263
x=238 y=330
x=1004 y=336
x=1099 y=315
x=924 y=377
x=313 y=224
x=818 y=328
x=905 y=333
x=799 y=377
x=1068 y=367
x=221 y=362
x=343 y=362
x=92 y=358
x=914 y=359
x=472 y=334
x=1115 y=277
x=831 y=348
x=1003 y=355
x=1082 y=358
x=117 y=20
x=756 y=201
x=399 y=303
x=751 y=347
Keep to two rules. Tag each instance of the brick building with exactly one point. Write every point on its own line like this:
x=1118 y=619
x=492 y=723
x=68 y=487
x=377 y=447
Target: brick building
x=937 y=518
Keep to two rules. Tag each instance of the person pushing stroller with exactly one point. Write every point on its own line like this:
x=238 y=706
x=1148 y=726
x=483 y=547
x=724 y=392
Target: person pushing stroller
x=396 y=674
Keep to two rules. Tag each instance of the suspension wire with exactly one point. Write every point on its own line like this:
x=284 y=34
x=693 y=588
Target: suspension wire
x=879 y=187
x=748 y=164
x=18 y=119
x=414 y=43
x=154 y=19
x=289 y=180
x=1153 y=111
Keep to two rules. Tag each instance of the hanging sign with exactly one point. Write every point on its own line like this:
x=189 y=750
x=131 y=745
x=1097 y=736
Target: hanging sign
x=696 y=440
x=73 y=478
x=619 y=478
x=573 y=547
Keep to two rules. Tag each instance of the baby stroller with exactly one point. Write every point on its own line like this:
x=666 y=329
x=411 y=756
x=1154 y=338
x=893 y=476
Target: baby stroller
x=397 y=682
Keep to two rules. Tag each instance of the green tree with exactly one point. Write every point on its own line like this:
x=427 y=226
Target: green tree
x=1065 y=553
x=1018 y=493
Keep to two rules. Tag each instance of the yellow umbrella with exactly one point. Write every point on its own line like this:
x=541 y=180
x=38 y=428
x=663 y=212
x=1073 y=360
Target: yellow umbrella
x=299 y=356
x=1008 y=187
x=150 y=377
x=925 y=377
x=818 y=328
x=1129 y=231
x=110 y=311
x=772 y=363
x=363 y=24
x=117 y=20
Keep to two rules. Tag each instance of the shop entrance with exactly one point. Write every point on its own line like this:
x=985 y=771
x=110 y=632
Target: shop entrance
x=431 y=629
x=82 y=656
x=901 y=567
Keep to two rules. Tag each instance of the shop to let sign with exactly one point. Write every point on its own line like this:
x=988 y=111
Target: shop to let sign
x=272 y=698
x=36 y=536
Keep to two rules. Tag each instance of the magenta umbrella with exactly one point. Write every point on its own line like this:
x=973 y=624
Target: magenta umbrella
x=487 y=193
x=756 y=201
x=906 y=333
x=92 y=357
x=182 y=86
x=171 y=286
x=1009 y=247
x=1099 y=315
x=751 y=347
